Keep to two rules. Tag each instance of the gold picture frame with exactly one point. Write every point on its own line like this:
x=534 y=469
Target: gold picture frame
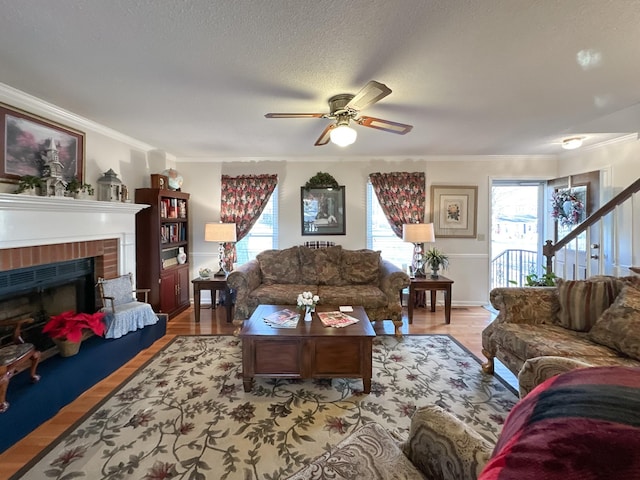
x=454 y=211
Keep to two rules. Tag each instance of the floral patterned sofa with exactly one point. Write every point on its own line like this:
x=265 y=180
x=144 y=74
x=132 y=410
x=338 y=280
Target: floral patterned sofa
x=594 y=321
x=338 y=276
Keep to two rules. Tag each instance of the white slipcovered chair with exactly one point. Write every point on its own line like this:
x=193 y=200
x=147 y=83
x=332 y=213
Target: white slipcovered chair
x=123 y=312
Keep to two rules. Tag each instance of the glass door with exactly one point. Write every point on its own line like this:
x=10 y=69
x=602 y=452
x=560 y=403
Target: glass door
x=516 y=227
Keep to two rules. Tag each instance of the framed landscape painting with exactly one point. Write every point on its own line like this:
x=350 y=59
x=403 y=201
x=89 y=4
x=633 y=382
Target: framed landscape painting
x=454 y=211
x=322 y=211
x=25 y=138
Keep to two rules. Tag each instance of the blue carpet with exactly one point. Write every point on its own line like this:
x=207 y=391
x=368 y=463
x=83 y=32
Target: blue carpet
x=64 y=379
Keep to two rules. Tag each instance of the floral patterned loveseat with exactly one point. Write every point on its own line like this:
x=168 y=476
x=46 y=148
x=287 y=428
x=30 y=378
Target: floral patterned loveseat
x=338 y=276
x=594 y=321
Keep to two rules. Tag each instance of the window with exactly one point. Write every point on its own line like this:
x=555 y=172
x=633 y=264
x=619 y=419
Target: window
x=263 y=234
x=381 y=237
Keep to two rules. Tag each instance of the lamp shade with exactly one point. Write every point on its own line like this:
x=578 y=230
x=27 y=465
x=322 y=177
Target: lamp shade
x=418 y=232
x=220 y=232
x=343 y=135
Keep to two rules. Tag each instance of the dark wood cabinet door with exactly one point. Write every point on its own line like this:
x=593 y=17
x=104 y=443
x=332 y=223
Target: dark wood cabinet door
x=168 y=292
x=183 y=287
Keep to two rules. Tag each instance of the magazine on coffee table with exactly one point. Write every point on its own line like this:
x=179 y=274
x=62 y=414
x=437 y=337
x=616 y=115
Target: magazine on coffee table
x=283 y=319
x=336 y=319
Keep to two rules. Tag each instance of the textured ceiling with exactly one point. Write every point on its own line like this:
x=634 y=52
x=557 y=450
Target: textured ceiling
x=195 y=77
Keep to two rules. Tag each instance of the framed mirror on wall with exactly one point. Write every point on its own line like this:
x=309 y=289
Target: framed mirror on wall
x=323 y=211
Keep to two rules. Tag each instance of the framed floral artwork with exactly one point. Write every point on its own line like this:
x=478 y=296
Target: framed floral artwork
x=323 y=211
x=454 y=211
x=25 y=140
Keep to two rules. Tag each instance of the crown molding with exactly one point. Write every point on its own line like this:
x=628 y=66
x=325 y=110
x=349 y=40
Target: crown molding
x=19 y=99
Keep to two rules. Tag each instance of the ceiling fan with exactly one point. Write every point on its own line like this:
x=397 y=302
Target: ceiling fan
x=345 y=107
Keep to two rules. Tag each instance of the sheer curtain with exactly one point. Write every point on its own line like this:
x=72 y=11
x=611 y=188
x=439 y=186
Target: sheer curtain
x=242 y=200
x=401 y=196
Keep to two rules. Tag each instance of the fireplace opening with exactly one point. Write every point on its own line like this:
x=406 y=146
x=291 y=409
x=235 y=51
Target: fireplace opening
x=43 y=291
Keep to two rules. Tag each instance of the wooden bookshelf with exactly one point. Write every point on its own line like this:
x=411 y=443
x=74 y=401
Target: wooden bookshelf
x=162 y=232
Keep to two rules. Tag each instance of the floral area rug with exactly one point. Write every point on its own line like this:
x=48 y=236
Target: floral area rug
x=185 y=414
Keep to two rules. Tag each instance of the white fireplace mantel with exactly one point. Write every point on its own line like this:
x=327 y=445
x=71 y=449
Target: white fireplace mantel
x=29 y=221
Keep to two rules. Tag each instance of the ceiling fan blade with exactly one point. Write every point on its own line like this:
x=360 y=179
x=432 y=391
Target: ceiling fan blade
x=324 y=138
x=294 y=115
x=386 y=125
x=370 y=94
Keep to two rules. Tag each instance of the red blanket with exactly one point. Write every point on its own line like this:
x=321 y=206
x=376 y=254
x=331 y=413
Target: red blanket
x=581 y=425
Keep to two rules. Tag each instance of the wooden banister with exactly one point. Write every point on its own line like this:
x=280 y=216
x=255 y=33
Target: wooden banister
x=549 y=249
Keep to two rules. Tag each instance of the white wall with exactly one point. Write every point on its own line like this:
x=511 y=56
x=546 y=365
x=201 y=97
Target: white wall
x=105 y=148
x=469 y=258
x=134 y=161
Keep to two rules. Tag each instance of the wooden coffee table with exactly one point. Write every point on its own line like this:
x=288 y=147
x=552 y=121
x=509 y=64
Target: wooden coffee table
x=310 y=350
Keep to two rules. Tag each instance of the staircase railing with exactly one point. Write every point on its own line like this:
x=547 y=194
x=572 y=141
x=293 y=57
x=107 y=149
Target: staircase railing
x=583 y=232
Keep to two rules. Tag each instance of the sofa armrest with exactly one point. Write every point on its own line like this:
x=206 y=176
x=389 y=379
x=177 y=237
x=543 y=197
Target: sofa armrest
x=244 y=279
x=539 y=369
x=392 y=280
x=532 y=305
x=443 y=447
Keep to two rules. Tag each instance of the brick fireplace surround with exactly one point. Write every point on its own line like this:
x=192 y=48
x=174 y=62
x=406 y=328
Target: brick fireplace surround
x=42 y=230
x=105 y=253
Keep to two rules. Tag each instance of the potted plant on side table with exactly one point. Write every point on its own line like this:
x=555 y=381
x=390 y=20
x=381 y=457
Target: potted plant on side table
x=436 y=261
x=68 y=329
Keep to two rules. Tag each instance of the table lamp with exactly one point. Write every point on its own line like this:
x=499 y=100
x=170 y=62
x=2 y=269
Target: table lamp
x=418 y=234
x=220 y=232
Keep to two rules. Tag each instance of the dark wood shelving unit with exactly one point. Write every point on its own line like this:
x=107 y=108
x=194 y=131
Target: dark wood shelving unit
x=161 y=231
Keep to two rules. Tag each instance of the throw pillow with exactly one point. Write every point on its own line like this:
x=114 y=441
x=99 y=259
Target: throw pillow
x=619 y=326
x=370 y=453
x=583 y=301
x=279 y=266
x=360 y=267
x=321 y=266
x=443 y=447
x=583 y=424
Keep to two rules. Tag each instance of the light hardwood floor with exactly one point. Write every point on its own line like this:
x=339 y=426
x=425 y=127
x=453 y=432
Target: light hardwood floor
x=466 y=326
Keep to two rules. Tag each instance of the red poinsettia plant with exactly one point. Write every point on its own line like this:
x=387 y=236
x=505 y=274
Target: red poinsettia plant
x=71 y=325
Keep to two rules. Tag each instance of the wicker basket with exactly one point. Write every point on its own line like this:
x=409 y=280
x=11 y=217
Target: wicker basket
x=69 y=349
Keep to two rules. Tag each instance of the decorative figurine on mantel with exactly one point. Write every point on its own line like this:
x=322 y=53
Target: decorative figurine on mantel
x=109 y=187
x=54 y=184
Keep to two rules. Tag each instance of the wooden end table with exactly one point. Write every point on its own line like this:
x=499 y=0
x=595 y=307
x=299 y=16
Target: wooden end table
x=432 y=284
x=213 y=284
x=310 y=350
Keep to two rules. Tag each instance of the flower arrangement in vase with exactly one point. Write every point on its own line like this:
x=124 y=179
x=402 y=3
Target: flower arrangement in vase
x=69 y=328
x=308 y=302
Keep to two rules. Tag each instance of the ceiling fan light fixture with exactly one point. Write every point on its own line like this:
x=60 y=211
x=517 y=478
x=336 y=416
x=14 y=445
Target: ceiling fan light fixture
x=343 y=135
x=572 y=143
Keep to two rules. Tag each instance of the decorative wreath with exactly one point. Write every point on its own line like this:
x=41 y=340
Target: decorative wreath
x=321 y=180
x=567 y=207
